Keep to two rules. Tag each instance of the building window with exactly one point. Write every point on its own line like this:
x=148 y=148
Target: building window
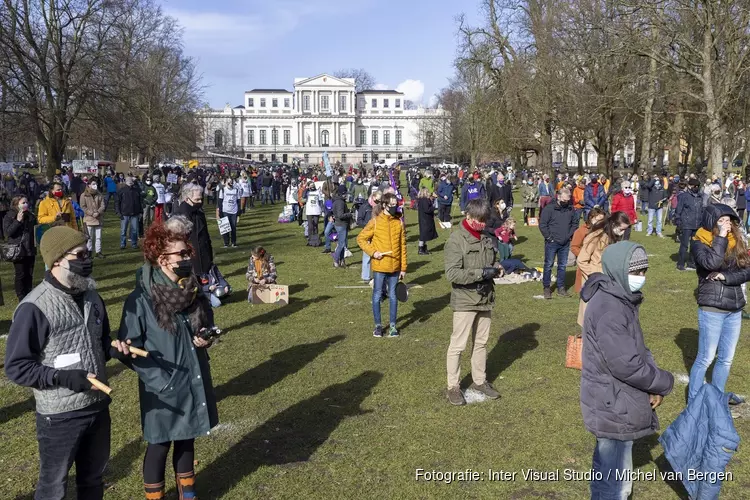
x=261 y=157
x=324 y=103
x=274 y=103
x=307 y=157
x=342 y=102
x=262 y=137
x=362 y=103
x=362 y=137
x=400 y=156
x=287 y=137
x=286 y=102
x=250 y=102
x=274 y=137
x=374 y=137
x=364 y=158
x=374 y=103
x=398 y=137
x=343 y=157
x=306 y=103
x=324 y=138
x=273 y=156
x=385 y=103
x=430 y=139
x=262 y=103
x=249 y=156
x=218 y=139
x=374 y=157
x=386 y=137
x=251 y=137
x=388 y=156
x=398 y=103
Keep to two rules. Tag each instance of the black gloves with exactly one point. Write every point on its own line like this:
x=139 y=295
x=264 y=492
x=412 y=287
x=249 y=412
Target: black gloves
x=489 y=272
x=114 y=353
x=75 y=380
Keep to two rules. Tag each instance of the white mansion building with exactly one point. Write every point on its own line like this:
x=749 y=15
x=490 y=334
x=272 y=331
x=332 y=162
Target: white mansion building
x=323 y=113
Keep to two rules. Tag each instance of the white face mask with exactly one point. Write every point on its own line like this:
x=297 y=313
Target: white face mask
x=636 y=282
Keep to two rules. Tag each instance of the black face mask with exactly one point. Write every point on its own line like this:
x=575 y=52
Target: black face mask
x=393 y=211
x=81 y=267
x=183 y=269
x=695 y=189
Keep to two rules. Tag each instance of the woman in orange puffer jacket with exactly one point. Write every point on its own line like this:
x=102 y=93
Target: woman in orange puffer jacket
x=384 y=240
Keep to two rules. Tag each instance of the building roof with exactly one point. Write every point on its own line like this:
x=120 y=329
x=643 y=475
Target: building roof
x=380 y=92
x=239 y=107
x=268 y=91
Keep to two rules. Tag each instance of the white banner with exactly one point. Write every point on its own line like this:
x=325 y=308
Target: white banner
x=224 y=226
x=6 y=168
x=85 y=167
x=171 y=178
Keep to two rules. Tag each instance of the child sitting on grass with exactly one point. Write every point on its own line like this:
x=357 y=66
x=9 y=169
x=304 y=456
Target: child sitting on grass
x=261 y=269
x=504 y=235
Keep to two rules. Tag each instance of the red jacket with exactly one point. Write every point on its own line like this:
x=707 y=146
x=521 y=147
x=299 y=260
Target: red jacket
x=622 y=203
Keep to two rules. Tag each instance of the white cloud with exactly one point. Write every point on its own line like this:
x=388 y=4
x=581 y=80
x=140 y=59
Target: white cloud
x=413 y=90
x=380 y=86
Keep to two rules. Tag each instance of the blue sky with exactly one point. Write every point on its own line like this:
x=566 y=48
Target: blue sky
x=239 y=45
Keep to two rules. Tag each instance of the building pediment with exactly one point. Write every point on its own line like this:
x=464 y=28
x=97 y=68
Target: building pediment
x=324 y=80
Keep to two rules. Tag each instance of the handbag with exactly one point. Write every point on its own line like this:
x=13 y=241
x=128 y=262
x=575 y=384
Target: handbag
x=574 y=352
x=10 y=252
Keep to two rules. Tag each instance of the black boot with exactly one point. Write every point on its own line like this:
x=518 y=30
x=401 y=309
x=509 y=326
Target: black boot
x=424 y=250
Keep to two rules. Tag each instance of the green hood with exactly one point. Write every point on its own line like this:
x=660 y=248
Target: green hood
x=615 y=262
x=147 y=275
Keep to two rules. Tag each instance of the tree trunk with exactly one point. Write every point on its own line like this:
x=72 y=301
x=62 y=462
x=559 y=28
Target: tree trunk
x=637 y=148
x=546 y=144
x=675 y=151
x=648 y=116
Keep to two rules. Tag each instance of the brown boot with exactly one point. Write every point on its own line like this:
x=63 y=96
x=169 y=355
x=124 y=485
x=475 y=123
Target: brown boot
x=186 y=485
x=154 y=491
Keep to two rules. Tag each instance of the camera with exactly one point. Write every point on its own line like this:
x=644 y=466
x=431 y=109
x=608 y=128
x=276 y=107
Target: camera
x=210 y=333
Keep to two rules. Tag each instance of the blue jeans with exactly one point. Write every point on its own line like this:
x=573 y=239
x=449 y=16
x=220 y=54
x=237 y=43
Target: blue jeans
x=338 y=255
x=390 y=280
x=365 y=267
x=133 y=221
x=266 y=192
x=644 y=206
x=654 y=212
x=107 y=197
x=64 y=441
x=326 y=233
x=233 y=233
x=716 y=331
x=550 y=251
x=610 y=456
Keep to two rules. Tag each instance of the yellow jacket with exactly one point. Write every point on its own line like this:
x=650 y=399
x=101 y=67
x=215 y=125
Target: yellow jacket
x=49 y=207
x=384 y=234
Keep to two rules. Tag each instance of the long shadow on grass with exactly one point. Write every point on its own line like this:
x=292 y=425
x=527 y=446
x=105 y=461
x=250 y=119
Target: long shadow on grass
x=424 y=309
x=273 y=316
x=11 y=412
x=119 y=465
x=427 y=278
x=291 y=436
x=274 y=370
x=687 y=341
x=642 y=456
x=511 y=345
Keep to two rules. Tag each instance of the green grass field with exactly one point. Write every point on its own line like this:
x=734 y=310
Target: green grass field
x=312 y=406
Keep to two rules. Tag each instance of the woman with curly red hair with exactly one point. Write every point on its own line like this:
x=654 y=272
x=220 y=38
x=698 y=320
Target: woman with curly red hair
x=164 y=315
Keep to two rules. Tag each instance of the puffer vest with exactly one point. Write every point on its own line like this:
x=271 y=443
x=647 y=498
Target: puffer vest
x=70 y=333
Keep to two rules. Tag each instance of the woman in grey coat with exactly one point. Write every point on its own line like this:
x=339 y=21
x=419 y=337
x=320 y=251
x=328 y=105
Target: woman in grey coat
x=621 y=385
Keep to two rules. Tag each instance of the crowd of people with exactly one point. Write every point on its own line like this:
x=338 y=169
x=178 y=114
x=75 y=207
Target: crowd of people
x=170 y=310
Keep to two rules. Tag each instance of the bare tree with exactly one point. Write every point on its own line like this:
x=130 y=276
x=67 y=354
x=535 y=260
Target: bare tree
x=52 y=52
x=363 y=80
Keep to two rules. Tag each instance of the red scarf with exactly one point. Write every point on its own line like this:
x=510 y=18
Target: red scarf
x=475 y=234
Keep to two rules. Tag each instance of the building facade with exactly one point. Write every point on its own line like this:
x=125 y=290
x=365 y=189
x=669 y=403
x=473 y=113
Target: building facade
x=322 y=114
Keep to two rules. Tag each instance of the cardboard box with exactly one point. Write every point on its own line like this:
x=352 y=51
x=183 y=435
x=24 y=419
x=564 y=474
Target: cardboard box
x=269 y=294
x=533 y=221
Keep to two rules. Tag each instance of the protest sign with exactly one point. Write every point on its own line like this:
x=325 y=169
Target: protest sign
x=224 y=226
x=269 y=294
x=85 y=167
x=171 y=178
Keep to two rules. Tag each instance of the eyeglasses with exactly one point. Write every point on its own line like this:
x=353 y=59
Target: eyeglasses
x=81 y=254
x=185 y=253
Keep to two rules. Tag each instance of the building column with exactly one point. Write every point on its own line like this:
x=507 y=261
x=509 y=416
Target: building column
x=335 y=101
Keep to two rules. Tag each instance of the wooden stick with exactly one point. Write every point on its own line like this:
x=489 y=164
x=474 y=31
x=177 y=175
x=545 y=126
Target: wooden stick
x=100 y=385
x=134 y=350
x=386 y=253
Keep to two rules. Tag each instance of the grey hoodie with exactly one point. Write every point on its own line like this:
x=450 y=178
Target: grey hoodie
x=619 y=372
